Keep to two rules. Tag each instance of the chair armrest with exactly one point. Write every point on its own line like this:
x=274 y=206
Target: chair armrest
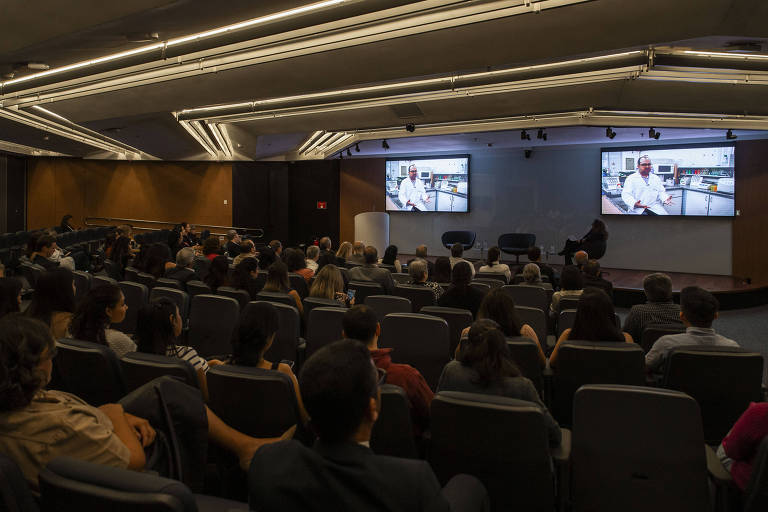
x=562 y=454
x=715 y=468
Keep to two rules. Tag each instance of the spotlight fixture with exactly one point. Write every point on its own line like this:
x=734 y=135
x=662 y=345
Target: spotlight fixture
x=729 y=135
x=653 y=134
x=410 y=127
x=341 y=155
x=541 y=135
x=349 y=153
x=528 y=153
x=384 y=144
x=524 y=135
x=357 y=147
x=610 y=133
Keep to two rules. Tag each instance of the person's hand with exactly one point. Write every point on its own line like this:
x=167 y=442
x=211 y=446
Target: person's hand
x=427 y=200
x=111 y=410
x=352 y=301
x=215 y=362
x=668 y=201
x=640 y=205
x=144 y=431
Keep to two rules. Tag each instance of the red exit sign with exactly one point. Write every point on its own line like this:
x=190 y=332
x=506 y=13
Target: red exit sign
x=322 y=205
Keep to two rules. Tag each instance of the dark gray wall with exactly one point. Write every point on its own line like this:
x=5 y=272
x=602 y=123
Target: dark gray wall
x=556 y=194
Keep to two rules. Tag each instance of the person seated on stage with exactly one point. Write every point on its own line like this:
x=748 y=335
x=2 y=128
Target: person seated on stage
x=484 y=365
x=218 y=273
x=532 y=276
x=294 y=260
x=244 y=277
x=659 y=308
x=358 y=248
x=493 y=266
x=571 y=285
x=116 y=435
x=593 y=278
x=344 y=254
x=339 y=385
x=594 y=242
x=183 y=271
x=233 y=247
x=580 y=258
x=277 y=281
x=739 y=448
x=595 y=321
x=313 y=253
x=698 y=309
x=421 y=252
x=417 y=269
x=329 y=284
x=371 y=272
x=97 y=311
x=534 y=256
x=247 y=250
x=457 y=250
x=390 y=258
x=360 y=323
x=10 y=295
x=460 y=294
x=54 y=301
x=442 y=270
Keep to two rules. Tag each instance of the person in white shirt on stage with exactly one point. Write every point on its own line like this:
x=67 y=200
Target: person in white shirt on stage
x=412 y=194
x=643 y=191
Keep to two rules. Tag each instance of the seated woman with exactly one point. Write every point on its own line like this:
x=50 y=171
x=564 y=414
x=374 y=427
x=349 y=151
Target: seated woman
x=739 y=448
x=54 y=301
x=595 y=321
x=101 y=307
x=460 y=294
x=493 y=266
x=499 y=307
x=245 y=276
x=594 y=243
x=10 y=295
x=344 y=253
x=571 y=285
x=442 y=270
x=157 y=260
x=211 y=248
x=120 y=255
x=418 y=272
x=294 y=260
x=390 y=258
x=329 y=284
x=483 y=365
x=277 y=281
x=256 y=333
x=218 y=273
x=115 y=435
x=158 y=326
x=532 y=275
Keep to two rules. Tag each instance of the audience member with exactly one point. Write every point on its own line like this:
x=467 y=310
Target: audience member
x=483 y=365
x=571 y=285
x=595 y=321
x=294 y=260
x=101 y=307
x=277 y=247
x=344 y=253
x=44 y=249
x=658 y=310
x=421 y=252
x=65 y=260
x=266 y=258
x=244 y=277
x=460 y=294
x=233 y=247
x=2 y=270
x=218 y=273
x=442 y=272
x=256 y=332
x=534 y=256
x=739 y=448
x=190 y=235
x=417 y=269
x=531 y=275
x=313 y=253
x=66 y=225
x=492 y=265
x=457 y=250
x=580 y=259
x=357 y=253
x=120 y=255
x=277 y=281
x=329 y=284
x=157 y=260
x=183 y=271
x=326 y=255
x=54 y=301
x=10 y=295
x=175 y=241
x=370 y=272
x=390 y=258
x=247 y=250
x=698 y=309
x=593 y=278
x=339 y=387
x=361 y=323
x=211 y=247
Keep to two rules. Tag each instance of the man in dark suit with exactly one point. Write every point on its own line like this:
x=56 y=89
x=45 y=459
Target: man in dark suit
x=593 y=277
x=183 y=270
x=371 y=272
x=339 y=386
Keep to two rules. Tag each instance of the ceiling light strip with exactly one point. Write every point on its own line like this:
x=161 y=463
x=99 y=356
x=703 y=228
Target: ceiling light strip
x=222 y=145
x=22 y=149
x=208 y=149
x=227 y=138
x=310 y=140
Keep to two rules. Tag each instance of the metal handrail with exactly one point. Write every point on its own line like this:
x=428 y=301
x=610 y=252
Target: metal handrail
x=259 y=233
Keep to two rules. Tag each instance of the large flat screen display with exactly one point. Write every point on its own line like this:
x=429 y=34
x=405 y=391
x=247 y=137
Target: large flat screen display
x=675 y=180
x=428 y=184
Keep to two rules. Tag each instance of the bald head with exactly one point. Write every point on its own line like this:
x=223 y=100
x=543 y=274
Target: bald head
x=580 y=258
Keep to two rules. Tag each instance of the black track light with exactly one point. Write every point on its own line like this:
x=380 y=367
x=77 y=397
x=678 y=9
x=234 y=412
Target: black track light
x=541 y=134
x=524 y=135
x=610 y=133
x=341 y=155
x=349 y=153
x=528 y=153
x=384 y=144
x=410 y=127
x=730 y=136
x=653 y=134
x=357 y=148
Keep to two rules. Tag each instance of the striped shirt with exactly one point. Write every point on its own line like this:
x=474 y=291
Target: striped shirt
x=189 y=355
x=641 y=315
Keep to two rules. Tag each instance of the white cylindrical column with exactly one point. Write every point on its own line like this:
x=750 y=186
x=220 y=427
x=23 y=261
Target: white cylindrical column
x=372 y=228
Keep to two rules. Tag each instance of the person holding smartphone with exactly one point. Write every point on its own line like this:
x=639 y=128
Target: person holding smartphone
x=329 y=284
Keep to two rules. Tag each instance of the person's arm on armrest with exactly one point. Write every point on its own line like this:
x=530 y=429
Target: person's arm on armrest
x=742 y=441
x=126 y=434
x=528 y=332
x=553 y=356
x=297 y=299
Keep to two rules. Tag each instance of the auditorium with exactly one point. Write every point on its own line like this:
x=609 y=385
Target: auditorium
x=364 y=238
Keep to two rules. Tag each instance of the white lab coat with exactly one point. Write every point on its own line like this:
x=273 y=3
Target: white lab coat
x=413 y=192
x=651 y=194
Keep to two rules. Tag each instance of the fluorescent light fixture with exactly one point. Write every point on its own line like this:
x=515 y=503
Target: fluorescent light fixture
x=22 y=149
x=205 y=143
x=309 y=141
x=227 y=138
x=725 y=54
x=214 y=128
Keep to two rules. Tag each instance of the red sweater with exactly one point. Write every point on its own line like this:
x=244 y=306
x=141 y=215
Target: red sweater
x=412 y=382
x=744 y=439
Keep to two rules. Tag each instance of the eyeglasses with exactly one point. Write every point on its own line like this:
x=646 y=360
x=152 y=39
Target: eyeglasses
x=644 y=165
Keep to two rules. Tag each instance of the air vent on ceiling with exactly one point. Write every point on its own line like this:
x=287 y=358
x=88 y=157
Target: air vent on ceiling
x=407 y=110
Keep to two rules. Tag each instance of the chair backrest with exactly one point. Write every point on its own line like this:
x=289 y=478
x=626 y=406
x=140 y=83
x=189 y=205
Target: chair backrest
x=139 y=368
x=212 y=320
x=31 y=271
x=98 y=280
x=567 y=317
x=90 y=371
x=637 y=449
x=536 y=318
x=419 y=340
x=180 y=297
x=491 y=282
x=483 y=287
x=525 y=354
x=365 y=288
x=519 y=242
x=401 y=277
x=147 y=280
x=592 y=362
x=195 y=287
x=383 y=305
x=465 y=238
x=131 y=274
x=756 y=493
x=299 y=284
x=71 y=485
x=529 y=296
x=201 y=265
x=15 y=495
x=723 y=380
x=315 y=302
x=653 y=332
x=323 y=327
x=82 y=284
x=511 y=457
x=391 y=268
x=392 y=433
x=136 y=295
x=169 y=283
x=241 y=296
x=419 y=296
x=283 y=298
x=286 y=344
x=458 y=319
x=271 y=406
x=568 y=303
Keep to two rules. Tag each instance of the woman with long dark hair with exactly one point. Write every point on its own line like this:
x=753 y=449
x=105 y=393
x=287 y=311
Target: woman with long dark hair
x=245 y=277
x=442 y=270
x=294 y=260
x=594 y=243
x=10 y=295
x=218 y=273
x=120 y=255
x=483 y=365
x=101 y=307
x=277 y=281
x=571 y=286
x=157 y=260
x=65 y=225
x=390 y=258
x=460 y=294
x=54 y=301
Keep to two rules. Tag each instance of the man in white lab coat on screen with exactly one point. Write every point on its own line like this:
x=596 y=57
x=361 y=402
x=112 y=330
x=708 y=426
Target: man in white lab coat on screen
x=412 y=194
x=643 y=191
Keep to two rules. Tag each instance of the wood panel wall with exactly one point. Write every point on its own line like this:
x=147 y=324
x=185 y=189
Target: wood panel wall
x=361 y=189
x=750 y=228
x=163 y=191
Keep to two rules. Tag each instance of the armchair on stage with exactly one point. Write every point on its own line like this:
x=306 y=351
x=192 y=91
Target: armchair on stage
x=516 y=243
x=465 y=238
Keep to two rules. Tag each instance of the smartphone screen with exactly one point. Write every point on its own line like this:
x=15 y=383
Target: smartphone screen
x=351 y=294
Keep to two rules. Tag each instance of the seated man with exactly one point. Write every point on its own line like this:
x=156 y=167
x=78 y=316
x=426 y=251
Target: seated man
x=593 y=277
x=534 y=256
x=580 y=259
x=44 y=249
x=698 y=309
x=277 y=246
x=371 y=272
x=183 y=270
x=232 y=246
x=421 y=253
x=340 y=392
x=658 y=310
x=360 y=323
x=358 y=250
x=457 y=250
